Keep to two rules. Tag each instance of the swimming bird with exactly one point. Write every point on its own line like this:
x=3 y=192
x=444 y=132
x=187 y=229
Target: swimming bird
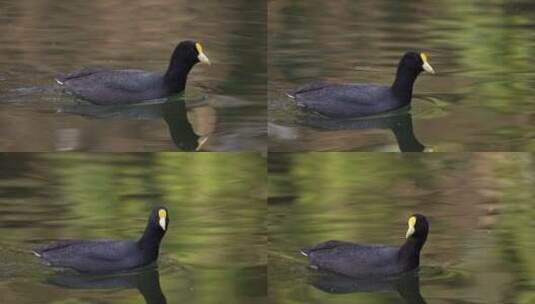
x=357 y=100
x=105 y=256
x=112 y=87
x=356 y=260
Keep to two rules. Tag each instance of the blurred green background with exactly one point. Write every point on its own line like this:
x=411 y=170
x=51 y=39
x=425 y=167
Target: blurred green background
x=213 y=252
x=481 y=209
x=481 y=98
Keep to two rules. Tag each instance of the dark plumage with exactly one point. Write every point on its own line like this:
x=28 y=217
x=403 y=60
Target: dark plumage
x=104 y=256
x=106 y=87
x=357 y=100
x=362 y=260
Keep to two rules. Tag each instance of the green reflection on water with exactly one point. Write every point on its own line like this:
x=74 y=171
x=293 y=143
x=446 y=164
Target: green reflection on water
x=215 y=245
x=480 y=206
x=482 y=51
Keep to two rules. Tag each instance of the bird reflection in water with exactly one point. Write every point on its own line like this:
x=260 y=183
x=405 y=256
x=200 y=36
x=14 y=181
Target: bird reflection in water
x=173 y=111
x=147 y=282
x=399 y=123
x=407 y=285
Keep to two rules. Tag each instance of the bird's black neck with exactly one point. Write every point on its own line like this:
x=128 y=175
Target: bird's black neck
x=409 y=253
x=402 y=86
x=176 y=76
x=150 y=242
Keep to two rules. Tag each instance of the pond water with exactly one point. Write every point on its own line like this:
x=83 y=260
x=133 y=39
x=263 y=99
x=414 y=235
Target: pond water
x=225 y=102
x=203 y=258
x=481 y=98
x=481 y=210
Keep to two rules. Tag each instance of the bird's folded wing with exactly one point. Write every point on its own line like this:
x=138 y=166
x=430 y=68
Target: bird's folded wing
x=78 y=74
x=318 y=85
x=326 y=245
x=123 y=80
x=107 y=250
x=130 y=80
x=55 y=245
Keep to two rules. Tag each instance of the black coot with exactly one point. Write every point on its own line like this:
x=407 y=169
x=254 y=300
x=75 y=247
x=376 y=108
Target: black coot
x=112 y=87
x=357 y=100
x=363 y=260
x=104 y=256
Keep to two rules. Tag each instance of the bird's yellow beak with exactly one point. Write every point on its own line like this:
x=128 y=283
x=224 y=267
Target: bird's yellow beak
x=162 y=214
x=426 y=66
x=202 y=57
x=410 y=231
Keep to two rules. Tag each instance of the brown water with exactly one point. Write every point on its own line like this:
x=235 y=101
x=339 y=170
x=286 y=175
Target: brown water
x=202 y=259
x=481 y=98
x=480 y=207
x=226 y=103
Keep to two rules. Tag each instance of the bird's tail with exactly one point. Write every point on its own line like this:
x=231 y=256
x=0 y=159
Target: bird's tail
x=305 y=251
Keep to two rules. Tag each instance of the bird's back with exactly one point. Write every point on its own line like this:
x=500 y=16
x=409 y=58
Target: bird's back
x=346 y=100
x=114 y=86
x=92 y=256
x=353 y=259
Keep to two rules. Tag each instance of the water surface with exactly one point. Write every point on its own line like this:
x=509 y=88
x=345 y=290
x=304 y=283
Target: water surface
x=225 y=102
x=481 y=98
x=214 y=249
x=480 y=247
